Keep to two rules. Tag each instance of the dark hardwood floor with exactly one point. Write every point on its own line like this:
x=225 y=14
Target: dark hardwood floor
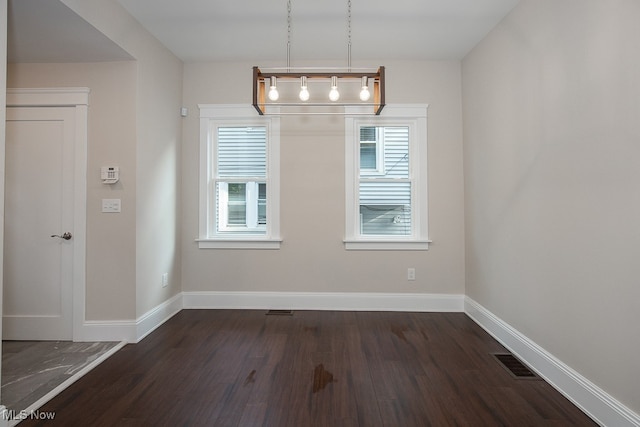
x=243 y=368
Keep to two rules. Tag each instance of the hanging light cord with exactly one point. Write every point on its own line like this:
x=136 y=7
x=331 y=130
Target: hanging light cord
x=349 y=34
x=289 y=35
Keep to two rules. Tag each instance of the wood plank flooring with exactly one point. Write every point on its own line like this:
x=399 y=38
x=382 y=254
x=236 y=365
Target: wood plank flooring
x=314 y=368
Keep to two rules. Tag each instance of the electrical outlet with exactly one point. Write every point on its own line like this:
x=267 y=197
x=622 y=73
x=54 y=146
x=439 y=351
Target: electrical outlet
x=165 y=280
x=411 y=273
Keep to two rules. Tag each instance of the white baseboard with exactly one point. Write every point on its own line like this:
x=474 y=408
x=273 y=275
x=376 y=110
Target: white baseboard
x=591 y=399
x=149 y=321
x=131 y=331
x=324 y=301
x=106 y=330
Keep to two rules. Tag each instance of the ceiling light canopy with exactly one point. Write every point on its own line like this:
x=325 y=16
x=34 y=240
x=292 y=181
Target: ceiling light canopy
x=321 y=90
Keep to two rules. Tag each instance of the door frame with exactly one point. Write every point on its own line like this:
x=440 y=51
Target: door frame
x=77 y=97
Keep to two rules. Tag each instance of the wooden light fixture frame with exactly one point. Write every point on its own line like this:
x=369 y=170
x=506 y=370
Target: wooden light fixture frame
x=260 y=79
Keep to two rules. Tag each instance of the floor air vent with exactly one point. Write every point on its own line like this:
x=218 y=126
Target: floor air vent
x=279 y=312
x=515 y=367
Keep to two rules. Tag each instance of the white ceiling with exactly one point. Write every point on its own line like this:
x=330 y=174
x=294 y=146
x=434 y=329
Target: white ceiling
x=48 y=31
x=256 y=30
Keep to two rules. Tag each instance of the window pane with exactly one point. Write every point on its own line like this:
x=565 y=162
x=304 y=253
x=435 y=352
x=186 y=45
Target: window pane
x=396 y=151
x=367 y=155
x=385 y=208
x=237 y=204
x=384 y=149
x=368 y=133
x=242 y=151
x=241 y=154
x=231 y=204
x=237 y=192
x=262 y=204
x=242 y=207
x=237 y=214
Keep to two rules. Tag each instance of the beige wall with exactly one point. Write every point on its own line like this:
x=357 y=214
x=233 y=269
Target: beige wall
x=158 y=177
x=111 y=243
x=158 y=98
x=551 y=105
x=312 y=257
x=134 y=123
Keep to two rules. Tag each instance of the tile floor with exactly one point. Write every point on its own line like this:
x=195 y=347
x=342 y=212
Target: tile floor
x=31 y=369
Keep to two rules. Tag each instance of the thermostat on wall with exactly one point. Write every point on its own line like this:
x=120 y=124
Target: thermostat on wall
x=109 y=174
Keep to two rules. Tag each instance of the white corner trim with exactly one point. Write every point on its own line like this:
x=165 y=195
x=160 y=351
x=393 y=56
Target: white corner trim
x=351 y=301
x=130 y=331
x=591 y=399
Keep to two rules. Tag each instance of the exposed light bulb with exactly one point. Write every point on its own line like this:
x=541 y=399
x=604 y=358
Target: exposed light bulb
x=364 y=93
x=304 y=92
x=273 y=90
x=334 y=95
x=273 y=94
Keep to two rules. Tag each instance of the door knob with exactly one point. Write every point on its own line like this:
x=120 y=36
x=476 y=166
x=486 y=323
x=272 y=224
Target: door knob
x=65 y=236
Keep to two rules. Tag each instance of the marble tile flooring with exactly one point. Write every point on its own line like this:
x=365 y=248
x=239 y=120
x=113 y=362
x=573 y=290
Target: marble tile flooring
x=32 y=369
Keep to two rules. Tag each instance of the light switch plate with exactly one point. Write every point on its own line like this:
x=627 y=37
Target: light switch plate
x=111 y=205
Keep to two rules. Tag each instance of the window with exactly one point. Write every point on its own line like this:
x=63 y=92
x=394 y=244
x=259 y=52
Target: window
x=239 y=179
x=386 y=187
x=239 y=170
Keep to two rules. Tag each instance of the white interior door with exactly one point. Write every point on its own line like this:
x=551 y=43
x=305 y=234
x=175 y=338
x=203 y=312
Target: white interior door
x=39 y=204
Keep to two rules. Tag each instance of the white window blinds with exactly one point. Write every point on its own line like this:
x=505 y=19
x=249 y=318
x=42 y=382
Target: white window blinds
x=242 y=152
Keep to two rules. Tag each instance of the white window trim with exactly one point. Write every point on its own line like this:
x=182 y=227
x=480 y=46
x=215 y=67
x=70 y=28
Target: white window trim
x=211 y=116
x=415 y=116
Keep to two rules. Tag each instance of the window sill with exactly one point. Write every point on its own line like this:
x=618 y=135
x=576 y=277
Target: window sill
x=386 y=245
x=239 y=243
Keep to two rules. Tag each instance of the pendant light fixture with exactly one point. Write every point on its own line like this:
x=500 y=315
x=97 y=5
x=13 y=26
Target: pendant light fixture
x=347 y=87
